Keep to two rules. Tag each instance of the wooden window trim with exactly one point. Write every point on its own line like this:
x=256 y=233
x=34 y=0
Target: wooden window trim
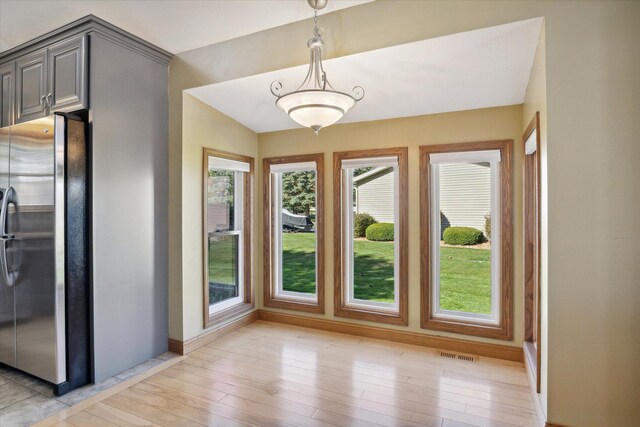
x=269 y=294
x=532 y=248
x=504 y=330
x=341 y=310
x=249 y=300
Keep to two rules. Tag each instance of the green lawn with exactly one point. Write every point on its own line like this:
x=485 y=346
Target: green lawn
x=465 y=280
x=465 y=273
x=222 y=251
x=222 y=269
x=299 y=262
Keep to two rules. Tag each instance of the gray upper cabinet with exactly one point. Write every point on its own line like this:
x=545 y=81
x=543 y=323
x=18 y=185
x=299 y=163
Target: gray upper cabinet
x=7 y=93
x=51 y=80
x=67 y=75
x=31 y=86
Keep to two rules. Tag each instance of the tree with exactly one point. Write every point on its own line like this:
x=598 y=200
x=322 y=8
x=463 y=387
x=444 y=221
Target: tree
x=299 y=191
x=220 y=185
x=360 y=171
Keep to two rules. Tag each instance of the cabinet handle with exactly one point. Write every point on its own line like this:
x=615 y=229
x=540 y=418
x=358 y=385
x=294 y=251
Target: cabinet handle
x=48 y=98
x=43 y=101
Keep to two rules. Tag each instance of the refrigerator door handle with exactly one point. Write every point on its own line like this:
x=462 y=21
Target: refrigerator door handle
x=10 y=197
x=3 y=263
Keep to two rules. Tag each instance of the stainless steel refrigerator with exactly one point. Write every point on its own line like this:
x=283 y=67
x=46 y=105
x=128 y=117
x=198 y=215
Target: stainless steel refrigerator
x=44 y=276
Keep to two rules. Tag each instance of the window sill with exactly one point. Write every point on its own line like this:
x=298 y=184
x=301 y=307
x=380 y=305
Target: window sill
x=499 y=332
x=373 y=315
x=290 y=304
x=228 y=313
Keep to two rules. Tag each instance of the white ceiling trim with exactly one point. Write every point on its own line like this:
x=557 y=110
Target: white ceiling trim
x=489 y=67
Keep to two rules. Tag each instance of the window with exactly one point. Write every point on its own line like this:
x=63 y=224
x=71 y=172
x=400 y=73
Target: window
x=294 y=232
x=371 y=267
x=466 y=274
x=531 y=196
x=227 y=235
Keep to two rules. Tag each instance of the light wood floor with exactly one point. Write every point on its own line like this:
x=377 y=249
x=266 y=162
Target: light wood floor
x=269 y=374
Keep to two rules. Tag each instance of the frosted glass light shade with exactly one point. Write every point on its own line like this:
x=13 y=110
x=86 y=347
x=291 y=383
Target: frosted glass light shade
x=316 y=109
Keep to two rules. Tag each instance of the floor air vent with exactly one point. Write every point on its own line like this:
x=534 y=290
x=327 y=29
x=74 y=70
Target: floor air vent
x=456 y=356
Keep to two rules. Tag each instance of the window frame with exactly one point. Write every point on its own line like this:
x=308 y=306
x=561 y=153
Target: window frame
x=531 y=193
x=503 y=330
x=246 y=301
x=271 y=297
x=343 y=307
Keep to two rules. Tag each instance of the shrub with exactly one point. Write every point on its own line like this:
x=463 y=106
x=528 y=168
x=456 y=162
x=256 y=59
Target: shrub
x=360 y=223
x=462 y=236
x=487 y=226
x=381 y=232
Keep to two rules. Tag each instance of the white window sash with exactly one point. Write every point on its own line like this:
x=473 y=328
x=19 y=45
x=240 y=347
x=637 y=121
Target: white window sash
x=465 y=157
x=493 y=317
x=227 y=164
x=276 y=221
x=531 y=145
x=368 y=162
x=238 y=221
x=347 y=234
x=292 y=167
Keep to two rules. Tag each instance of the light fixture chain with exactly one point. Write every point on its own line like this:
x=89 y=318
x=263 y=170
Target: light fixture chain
x=316 y=30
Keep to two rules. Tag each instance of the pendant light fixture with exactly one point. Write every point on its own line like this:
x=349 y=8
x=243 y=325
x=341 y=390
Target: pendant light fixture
x=316 y=104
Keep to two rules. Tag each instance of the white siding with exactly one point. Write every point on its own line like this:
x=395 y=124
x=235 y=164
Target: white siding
x=465 y=194
x=375 y=197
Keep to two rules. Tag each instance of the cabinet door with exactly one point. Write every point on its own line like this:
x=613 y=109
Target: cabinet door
x=67 y=71
x=31 y=86
x=7 y=93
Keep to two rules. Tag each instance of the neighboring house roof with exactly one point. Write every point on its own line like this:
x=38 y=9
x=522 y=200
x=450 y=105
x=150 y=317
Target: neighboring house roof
x=371 y=175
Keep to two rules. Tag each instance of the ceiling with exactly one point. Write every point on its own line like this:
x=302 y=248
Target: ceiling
x=174 y=25
x=489 y=67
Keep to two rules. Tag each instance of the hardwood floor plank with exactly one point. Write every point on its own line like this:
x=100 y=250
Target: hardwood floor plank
x=178 y=404
x=85 y=419
x=217 y=409
x=255 y=408
x=380 y=414
x=417 y=405
x=148 y=412
x=118 y=417
x=204 y=380
x=222 y=388
x=341 y=420
x=520 y=420
x=273 y=379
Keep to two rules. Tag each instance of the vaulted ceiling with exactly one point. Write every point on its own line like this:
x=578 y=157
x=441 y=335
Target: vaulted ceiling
x=489 y=67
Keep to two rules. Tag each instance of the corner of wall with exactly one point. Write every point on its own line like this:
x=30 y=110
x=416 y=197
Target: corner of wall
x=536 y=101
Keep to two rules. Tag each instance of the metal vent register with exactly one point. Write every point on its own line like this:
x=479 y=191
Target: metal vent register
x=456 y=356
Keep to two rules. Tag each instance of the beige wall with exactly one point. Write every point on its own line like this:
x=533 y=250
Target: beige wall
x=465 y=126
x=593 y=102
x=536 y=100
x=205 y=127
x=592 y=153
